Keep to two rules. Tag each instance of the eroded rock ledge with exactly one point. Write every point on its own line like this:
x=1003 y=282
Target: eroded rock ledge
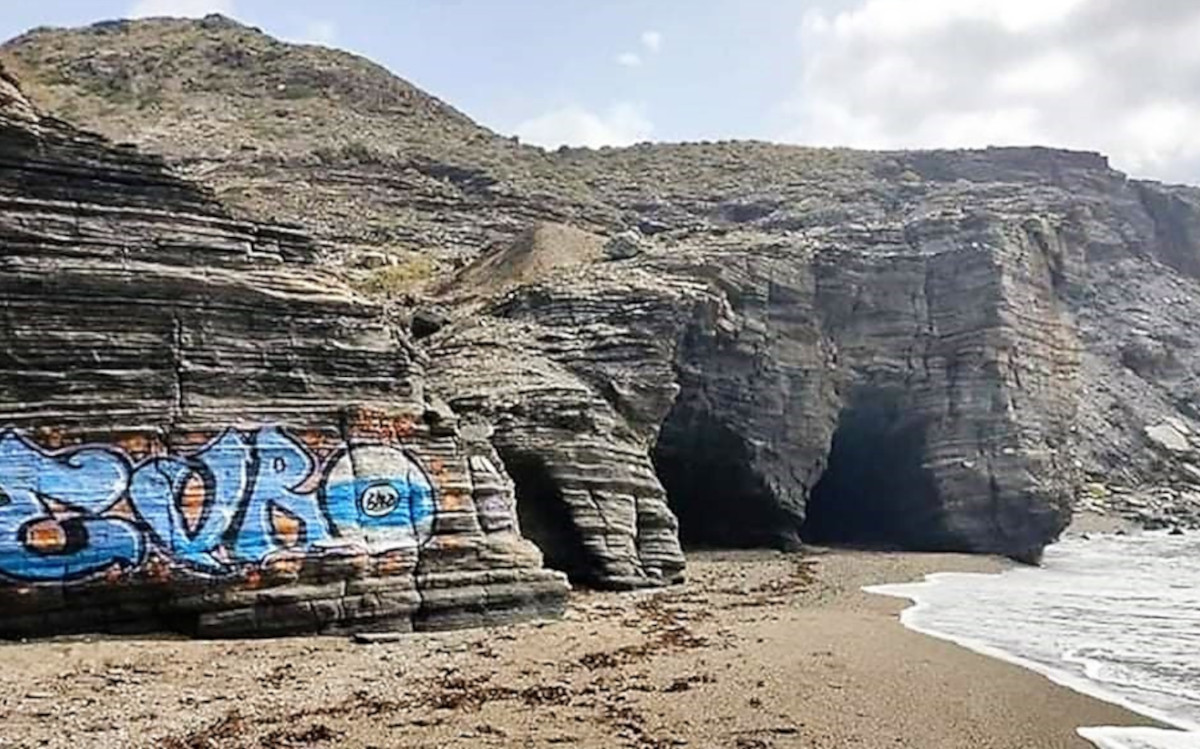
x=940 y=369
x=844 y=387
x=204 y=431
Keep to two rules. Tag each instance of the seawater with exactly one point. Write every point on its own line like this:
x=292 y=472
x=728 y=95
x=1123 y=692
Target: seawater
x=1114 y=617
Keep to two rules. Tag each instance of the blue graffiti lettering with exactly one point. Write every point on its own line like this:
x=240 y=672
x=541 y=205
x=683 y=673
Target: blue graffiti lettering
x=283 y=465
x=73 y=540
x=238 y=500
x=378 y=492
x=159 y=490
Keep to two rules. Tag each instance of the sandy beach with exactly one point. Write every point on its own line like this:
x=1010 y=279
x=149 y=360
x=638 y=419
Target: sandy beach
x=756 y=650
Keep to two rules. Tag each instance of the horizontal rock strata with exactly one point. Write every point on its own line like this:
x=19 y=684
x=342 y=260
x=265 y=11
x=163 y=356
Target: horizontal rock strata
x=749 y=367
x=204 y=431
x=715 y=343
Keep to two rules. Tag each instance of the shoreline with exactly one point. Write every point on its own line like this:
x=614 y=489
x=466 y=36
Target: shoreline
x=1057 y=676
x=758 y=650
x=1171 y=731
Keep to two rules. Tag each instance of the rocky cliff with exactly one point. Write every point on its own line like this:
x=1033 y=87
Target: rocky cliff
x=720 y=343
x=940 y=350
x=205 y=431
x=908 y=384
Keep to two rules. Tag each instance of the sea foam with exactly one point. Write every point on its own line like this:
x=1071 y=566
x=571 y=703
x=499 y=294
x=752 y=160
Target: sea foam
x=1113 y=617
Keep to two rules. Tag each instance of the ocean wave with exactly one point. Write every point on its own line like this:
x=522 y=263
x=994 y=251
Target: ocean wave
x=1114 y=617
x=1107 y=737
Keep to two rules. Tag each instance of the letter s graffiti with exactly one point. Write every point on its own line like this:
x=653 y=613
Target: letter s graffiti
x=51 y=507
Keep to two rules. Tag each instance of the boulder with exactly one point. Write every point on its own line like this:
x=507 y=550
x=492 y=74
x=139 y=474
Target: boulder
x=1168 y=437
x=428 y=320
x=626 y=245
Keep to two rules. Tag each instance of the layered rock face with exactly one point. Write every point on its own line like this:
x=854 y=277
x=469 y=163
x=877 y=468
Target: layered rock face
x=205 y=431
x=1136 y=293
x=866 y=387
x=718 y=343
x=575 y=387
x=909 y=370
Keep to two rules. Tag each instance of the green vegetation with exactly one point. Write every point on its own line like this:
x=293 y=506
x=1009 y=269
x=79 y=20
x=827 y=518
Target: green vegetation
x=396 y=280
x=298 y=91
x=354 y=152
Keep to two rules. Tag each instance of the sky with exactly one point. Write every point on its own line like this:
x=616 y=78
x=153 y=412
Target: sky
x=1117 y=76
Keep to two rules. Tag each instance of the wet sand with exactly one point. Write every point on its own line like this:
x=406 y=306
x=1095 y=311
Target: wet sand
x=756 y=650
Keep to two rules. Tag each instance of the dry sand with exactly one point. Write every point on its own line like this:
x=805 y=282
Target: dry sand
x=758 y=650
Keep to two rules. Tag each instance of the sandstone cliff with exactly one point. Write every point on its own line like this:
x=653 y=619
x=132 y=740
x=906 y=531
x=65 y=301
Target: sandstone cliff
x=203 y=430
x=724 y=343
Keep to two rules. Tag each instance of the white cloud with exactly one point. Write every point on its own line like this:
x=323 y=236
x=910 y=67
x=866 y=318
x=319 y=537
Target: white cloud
x=651 y=41
x=1118 y=76
x=900 y=18
x=629 y=59
x=622 y=124
x=179 y=8
x=319 y=32
x=1161 y=133
x=1055 y=73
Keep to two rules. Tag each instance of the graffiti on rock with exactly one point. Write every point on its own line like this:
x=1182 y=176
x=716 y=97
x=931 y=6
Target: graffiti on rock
x=239 y=499
x=86 y=482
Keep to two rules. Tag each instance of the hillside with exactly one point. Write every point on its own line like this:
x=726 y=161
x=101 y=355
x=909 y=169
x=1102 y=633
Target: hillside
x=300 y=134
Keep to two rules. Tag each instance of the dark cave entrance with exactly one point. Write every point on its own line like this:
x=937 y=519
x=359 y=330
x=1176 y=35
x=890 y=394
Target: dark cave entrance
x=720 y=502
x=544 y=517
x=875 y=491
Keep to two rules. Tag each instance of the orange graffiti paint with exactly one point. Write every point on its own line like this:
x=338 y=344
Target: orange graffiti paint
x=253 y=578
x=46 y=536
x=192 y=501
x=287 y=527
x=283 y=565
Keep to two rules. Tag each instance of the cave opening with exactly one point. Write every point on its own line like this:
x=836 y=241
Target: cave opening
x=720 y=502
x=875 y=491
x=545 y=517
